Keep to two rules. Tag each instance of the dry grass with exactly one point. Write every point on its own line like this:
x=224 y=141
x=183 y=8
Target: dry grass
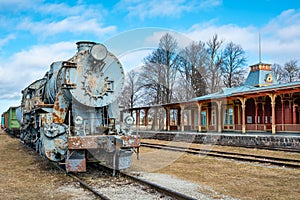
x=25 y=175
x=237 y=179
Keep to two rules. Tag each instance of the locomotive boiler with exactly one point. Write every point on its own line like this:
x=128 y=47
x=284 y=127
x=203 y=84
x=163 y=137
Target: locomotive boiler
x=71 y=114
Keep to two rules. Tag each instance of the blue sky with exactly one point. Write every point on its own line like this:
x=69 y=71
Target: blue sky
x=35 y=33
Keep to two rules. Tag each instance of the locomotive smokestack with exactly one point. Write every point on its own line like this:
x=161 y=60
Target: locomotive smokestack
x=84 y=45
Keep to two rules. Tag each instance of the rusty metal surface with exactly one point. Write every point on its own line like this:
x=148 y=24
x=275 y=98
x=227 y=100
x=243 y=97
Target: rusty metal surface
x=131 y=140
x=60 y=108
x=83 y=142
x=76 y=161
x=54 y=149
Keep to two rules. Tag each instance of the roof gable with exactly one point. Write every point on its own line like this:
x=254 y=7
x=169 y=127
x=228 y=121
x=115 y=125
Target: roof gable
x=260 y=75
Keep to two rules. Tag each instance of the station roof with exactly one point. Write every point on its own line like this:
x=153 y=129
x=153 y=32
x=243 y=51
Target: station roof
x=260 y=79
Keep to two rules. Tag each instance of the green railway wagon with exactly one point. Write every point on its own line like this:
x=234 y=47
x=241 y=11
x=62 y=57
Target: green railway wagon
x=2 y=121
x=11 y=124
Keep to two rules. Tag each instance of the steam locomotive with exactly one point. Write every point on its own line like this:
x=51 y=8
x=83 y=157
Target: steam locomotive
x=71 y=114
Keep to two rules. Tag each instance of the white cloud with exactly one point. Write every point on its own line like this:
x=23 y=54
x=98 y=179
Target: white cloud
x=169 y=8
x=48 y=19
x=73 y=24
x=24 y=67
x=247 y=37
x=16 y=5
x=8 y=38
x=280 y=38
x=285 y=27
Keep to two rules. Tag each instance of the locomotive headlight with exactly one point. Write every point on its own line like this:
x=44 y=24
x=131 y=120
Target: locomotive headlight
x=129 y=120
x=99 y=52
x=78 y=120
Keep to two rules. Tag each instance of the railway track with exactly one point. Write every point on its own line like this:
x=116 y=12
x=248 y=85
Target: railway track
x=270 y=148
x=89 y=182
x=101 y=172
x=293 y=163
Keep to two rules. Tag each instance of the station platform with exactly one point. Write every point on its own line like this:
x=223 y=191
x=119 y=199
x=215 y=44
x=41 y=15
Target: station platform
x=255 y=139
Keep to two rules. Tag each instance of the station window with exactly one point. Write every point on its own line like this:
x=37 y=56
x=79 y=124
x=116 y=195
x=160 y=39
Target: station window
x=228 y=116
x=249 y=119
x=174 y=117
x=203 y=118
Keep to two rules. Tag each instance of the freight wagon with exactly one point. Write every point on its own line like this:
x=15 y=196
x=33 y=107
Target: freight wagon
x=9 y=121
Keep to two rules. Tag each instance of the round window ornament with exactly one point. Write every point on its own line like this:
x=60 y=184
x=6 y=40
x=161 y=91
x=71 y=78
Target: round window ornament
x=269 y=78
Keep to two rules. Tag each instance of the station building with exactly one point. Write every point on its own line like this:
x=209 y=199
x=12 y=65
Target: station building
x=260 y=105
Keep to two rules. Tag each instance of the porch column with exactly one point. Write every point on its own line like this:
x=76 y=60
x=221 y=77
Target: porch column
x=199 y=116
x=273 y=103
x=256 y=114
x=282 y=114
x=192 y=118
x=263 y=113
x=219 y=103
x=167 y=118
x=243 y=101
x=291 y=113
x=137 y=114
x=178 y=118
x=294 y=114
x=182 y=117
x=146 y=116
x=155 y=120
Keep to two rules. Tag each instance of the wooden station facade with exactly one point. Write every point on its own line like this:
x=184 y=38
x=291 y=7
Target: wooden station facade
x=261 y=104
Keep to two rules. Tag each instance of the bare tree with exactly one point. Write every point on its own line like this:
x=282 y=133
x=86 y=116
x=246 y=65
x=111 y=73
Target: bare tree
x=233 y=61
x=278 y=72
x=160 y=70
x=131 y=93
x=291 y=71
x=192 y=62
x=213 y=71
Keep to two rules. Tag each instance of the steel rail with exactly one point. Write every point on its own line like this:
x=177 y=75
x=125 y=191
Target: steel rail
x=166 y=191
x=85 y=185
x=287 y=149
x=229 y=155
x=82 y=183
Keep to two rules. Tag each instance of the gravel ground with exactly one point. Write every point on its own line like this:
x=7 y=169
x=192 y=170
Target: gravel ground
x=130 y=191
x=119 y=187
x=77 y=192
x=182 y=186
